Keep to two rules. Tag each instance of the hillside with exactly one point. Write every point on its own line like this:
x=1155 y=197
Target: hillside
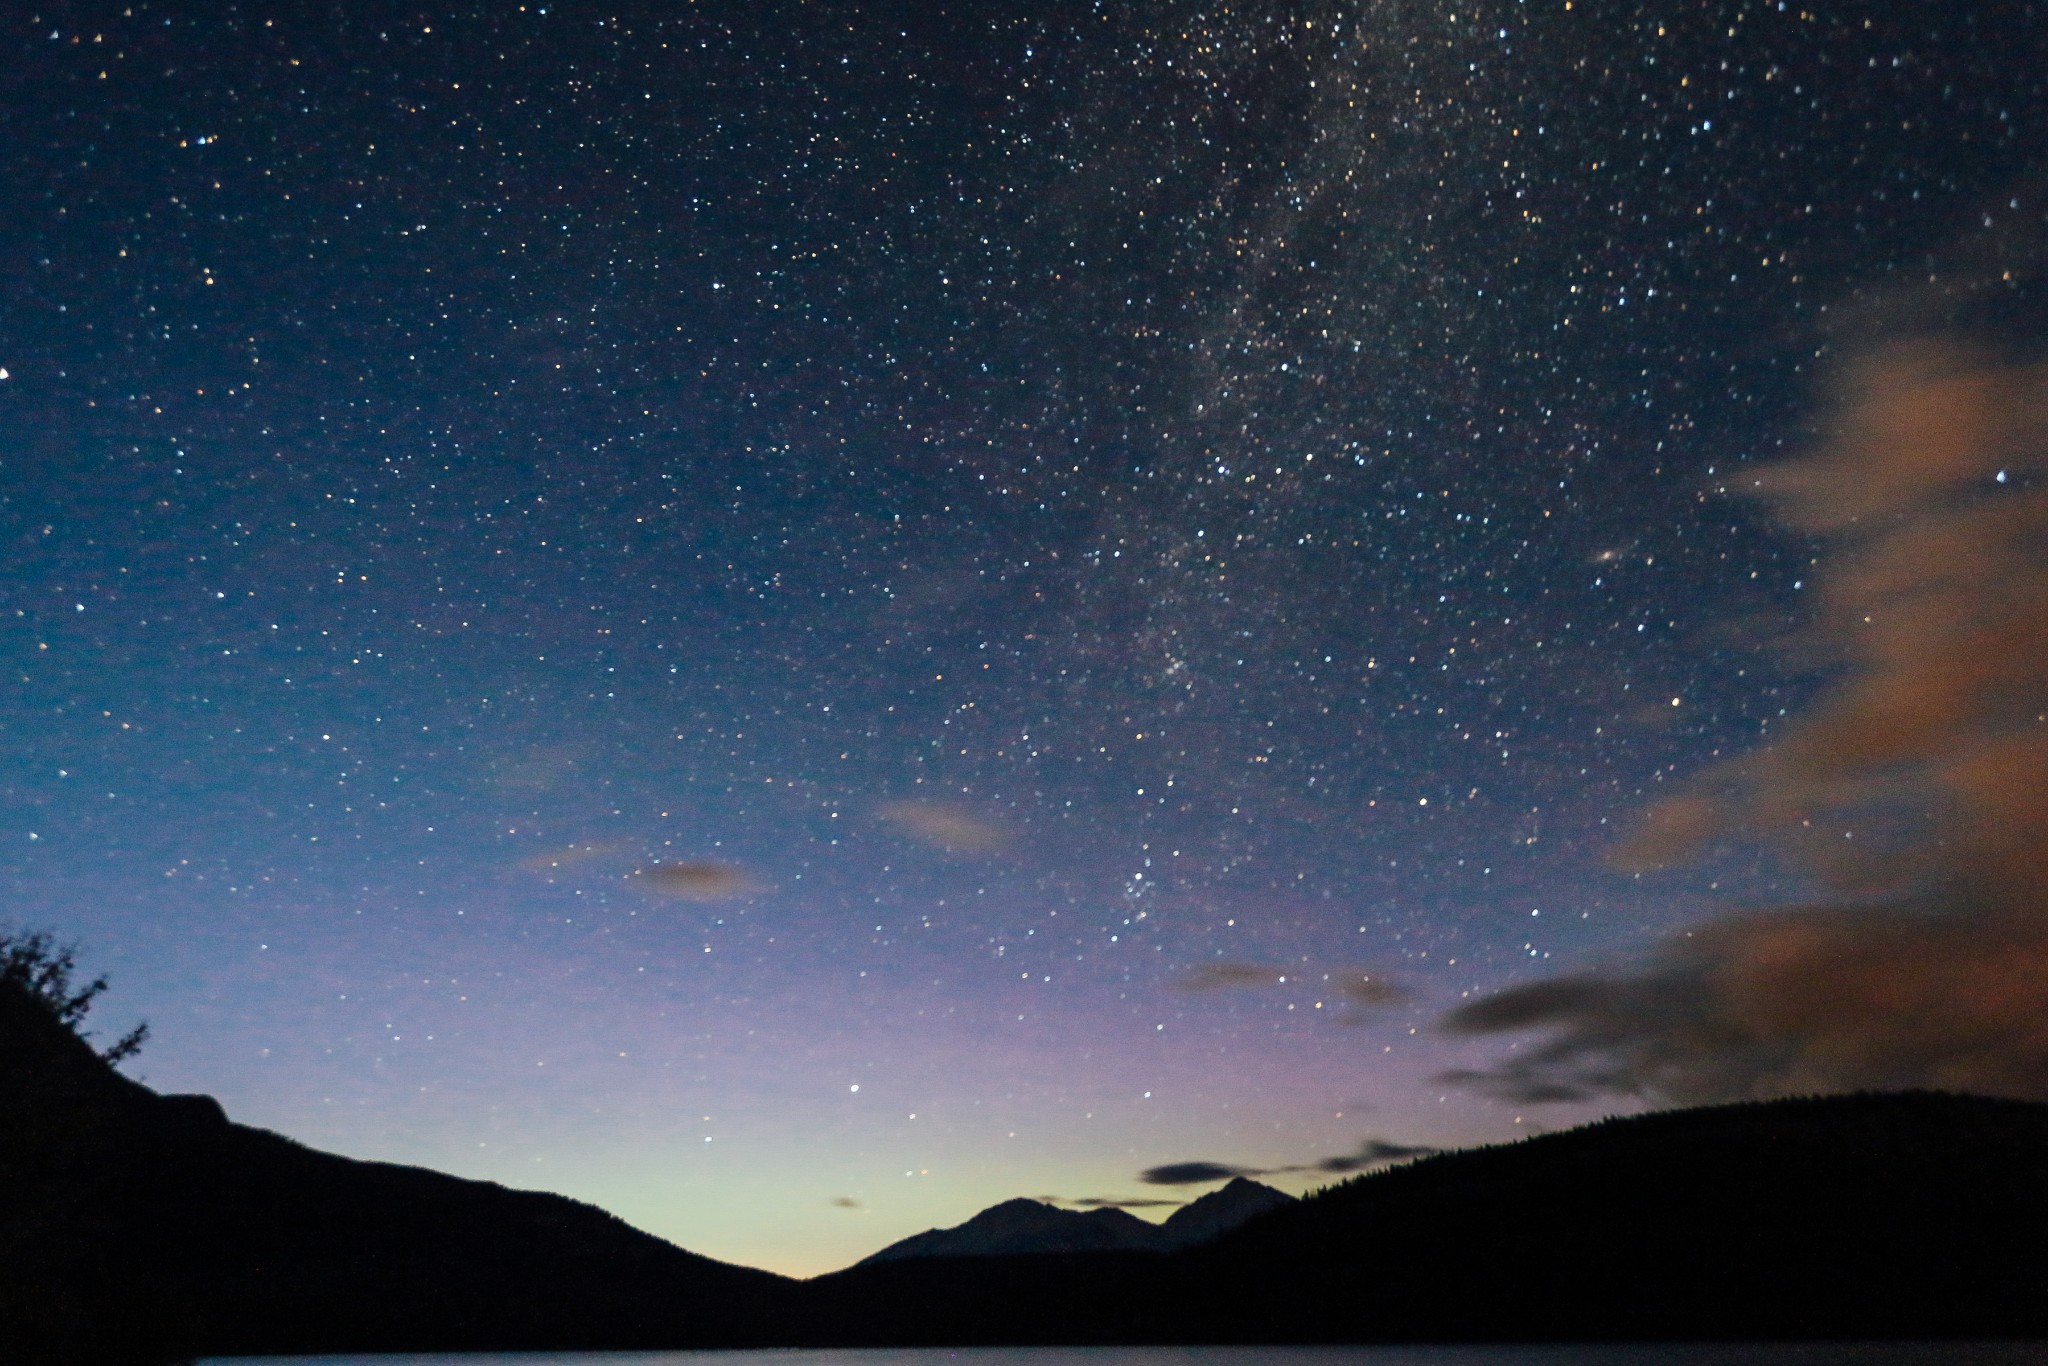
x=139 y=1225
x=1848 y=1216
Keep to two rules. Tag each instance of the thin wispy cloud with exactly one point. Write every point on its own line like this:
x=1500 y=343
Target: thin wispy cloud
x=1373 y=1152
x=1356 y=985
x=947 y=827
x=694 y=881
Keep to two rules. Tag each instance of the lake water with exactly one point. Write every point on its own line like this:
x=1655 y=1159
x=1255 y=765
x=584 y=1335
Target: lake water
x=1717 y=1354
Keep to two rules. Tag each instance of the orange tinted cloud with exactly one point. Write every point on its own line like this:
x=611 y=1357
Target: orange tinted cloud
x=948 y=827
x=697 y=881
x=1221 y=976
x=1916 y=786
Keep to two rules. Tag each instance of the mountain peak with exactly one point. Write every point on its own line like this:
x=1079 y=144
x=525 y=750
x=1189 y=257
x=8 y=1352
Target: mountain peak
x=1220 y=1211
x=1023 y=1225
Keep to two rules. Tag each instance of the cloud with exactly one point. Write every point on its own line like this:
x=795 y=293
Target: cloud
x=1195 y=1173
x=1113 y=1202
x=538 y=770
x=1368 y=989
x=845 y=1202
x=1793 y=1002
x=1354 y=984
x=1373 y=1152
x=697 y=881
x=947 y=827
x=1222 y=976
x=1914 y=788
x=567 y=857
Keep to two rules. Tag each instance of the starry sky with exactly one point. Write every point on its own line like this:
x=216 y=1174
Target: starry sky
x=796 y=618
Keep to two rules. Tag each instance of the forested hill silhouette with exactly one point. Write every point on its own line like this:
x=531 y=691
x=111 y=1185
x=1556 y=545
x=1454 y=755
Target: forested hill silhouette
x=1864 y=1216
x=142 y=1227
x=1876 y=1216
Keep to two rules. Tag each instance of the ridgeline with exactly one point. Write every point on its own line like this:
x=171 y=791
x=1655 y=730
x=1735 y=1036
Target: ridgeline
x=137 y=1227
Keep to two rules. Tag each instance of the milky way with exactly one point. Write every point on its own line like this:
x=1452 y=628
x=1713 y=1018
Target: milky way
x=796 y=619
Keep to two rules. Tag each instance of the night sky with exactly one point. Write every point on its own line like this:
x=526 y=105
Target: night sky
x=796 y=618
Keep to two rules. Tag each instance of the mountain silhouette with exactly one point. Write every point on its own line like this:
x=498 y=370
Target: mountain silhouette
x=1209 y=1217
x=137 y=1227
x=1017 y=1227
x=1023 y=1226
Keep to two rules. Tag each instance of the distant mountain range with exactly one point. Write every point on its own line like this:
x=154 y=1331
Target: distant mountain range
x=1018 y=1227
x=137 y=1227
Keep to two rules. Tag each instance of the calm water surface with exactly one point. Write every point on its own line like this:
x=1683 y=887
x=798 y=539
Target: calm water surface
x=1743 y=1354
